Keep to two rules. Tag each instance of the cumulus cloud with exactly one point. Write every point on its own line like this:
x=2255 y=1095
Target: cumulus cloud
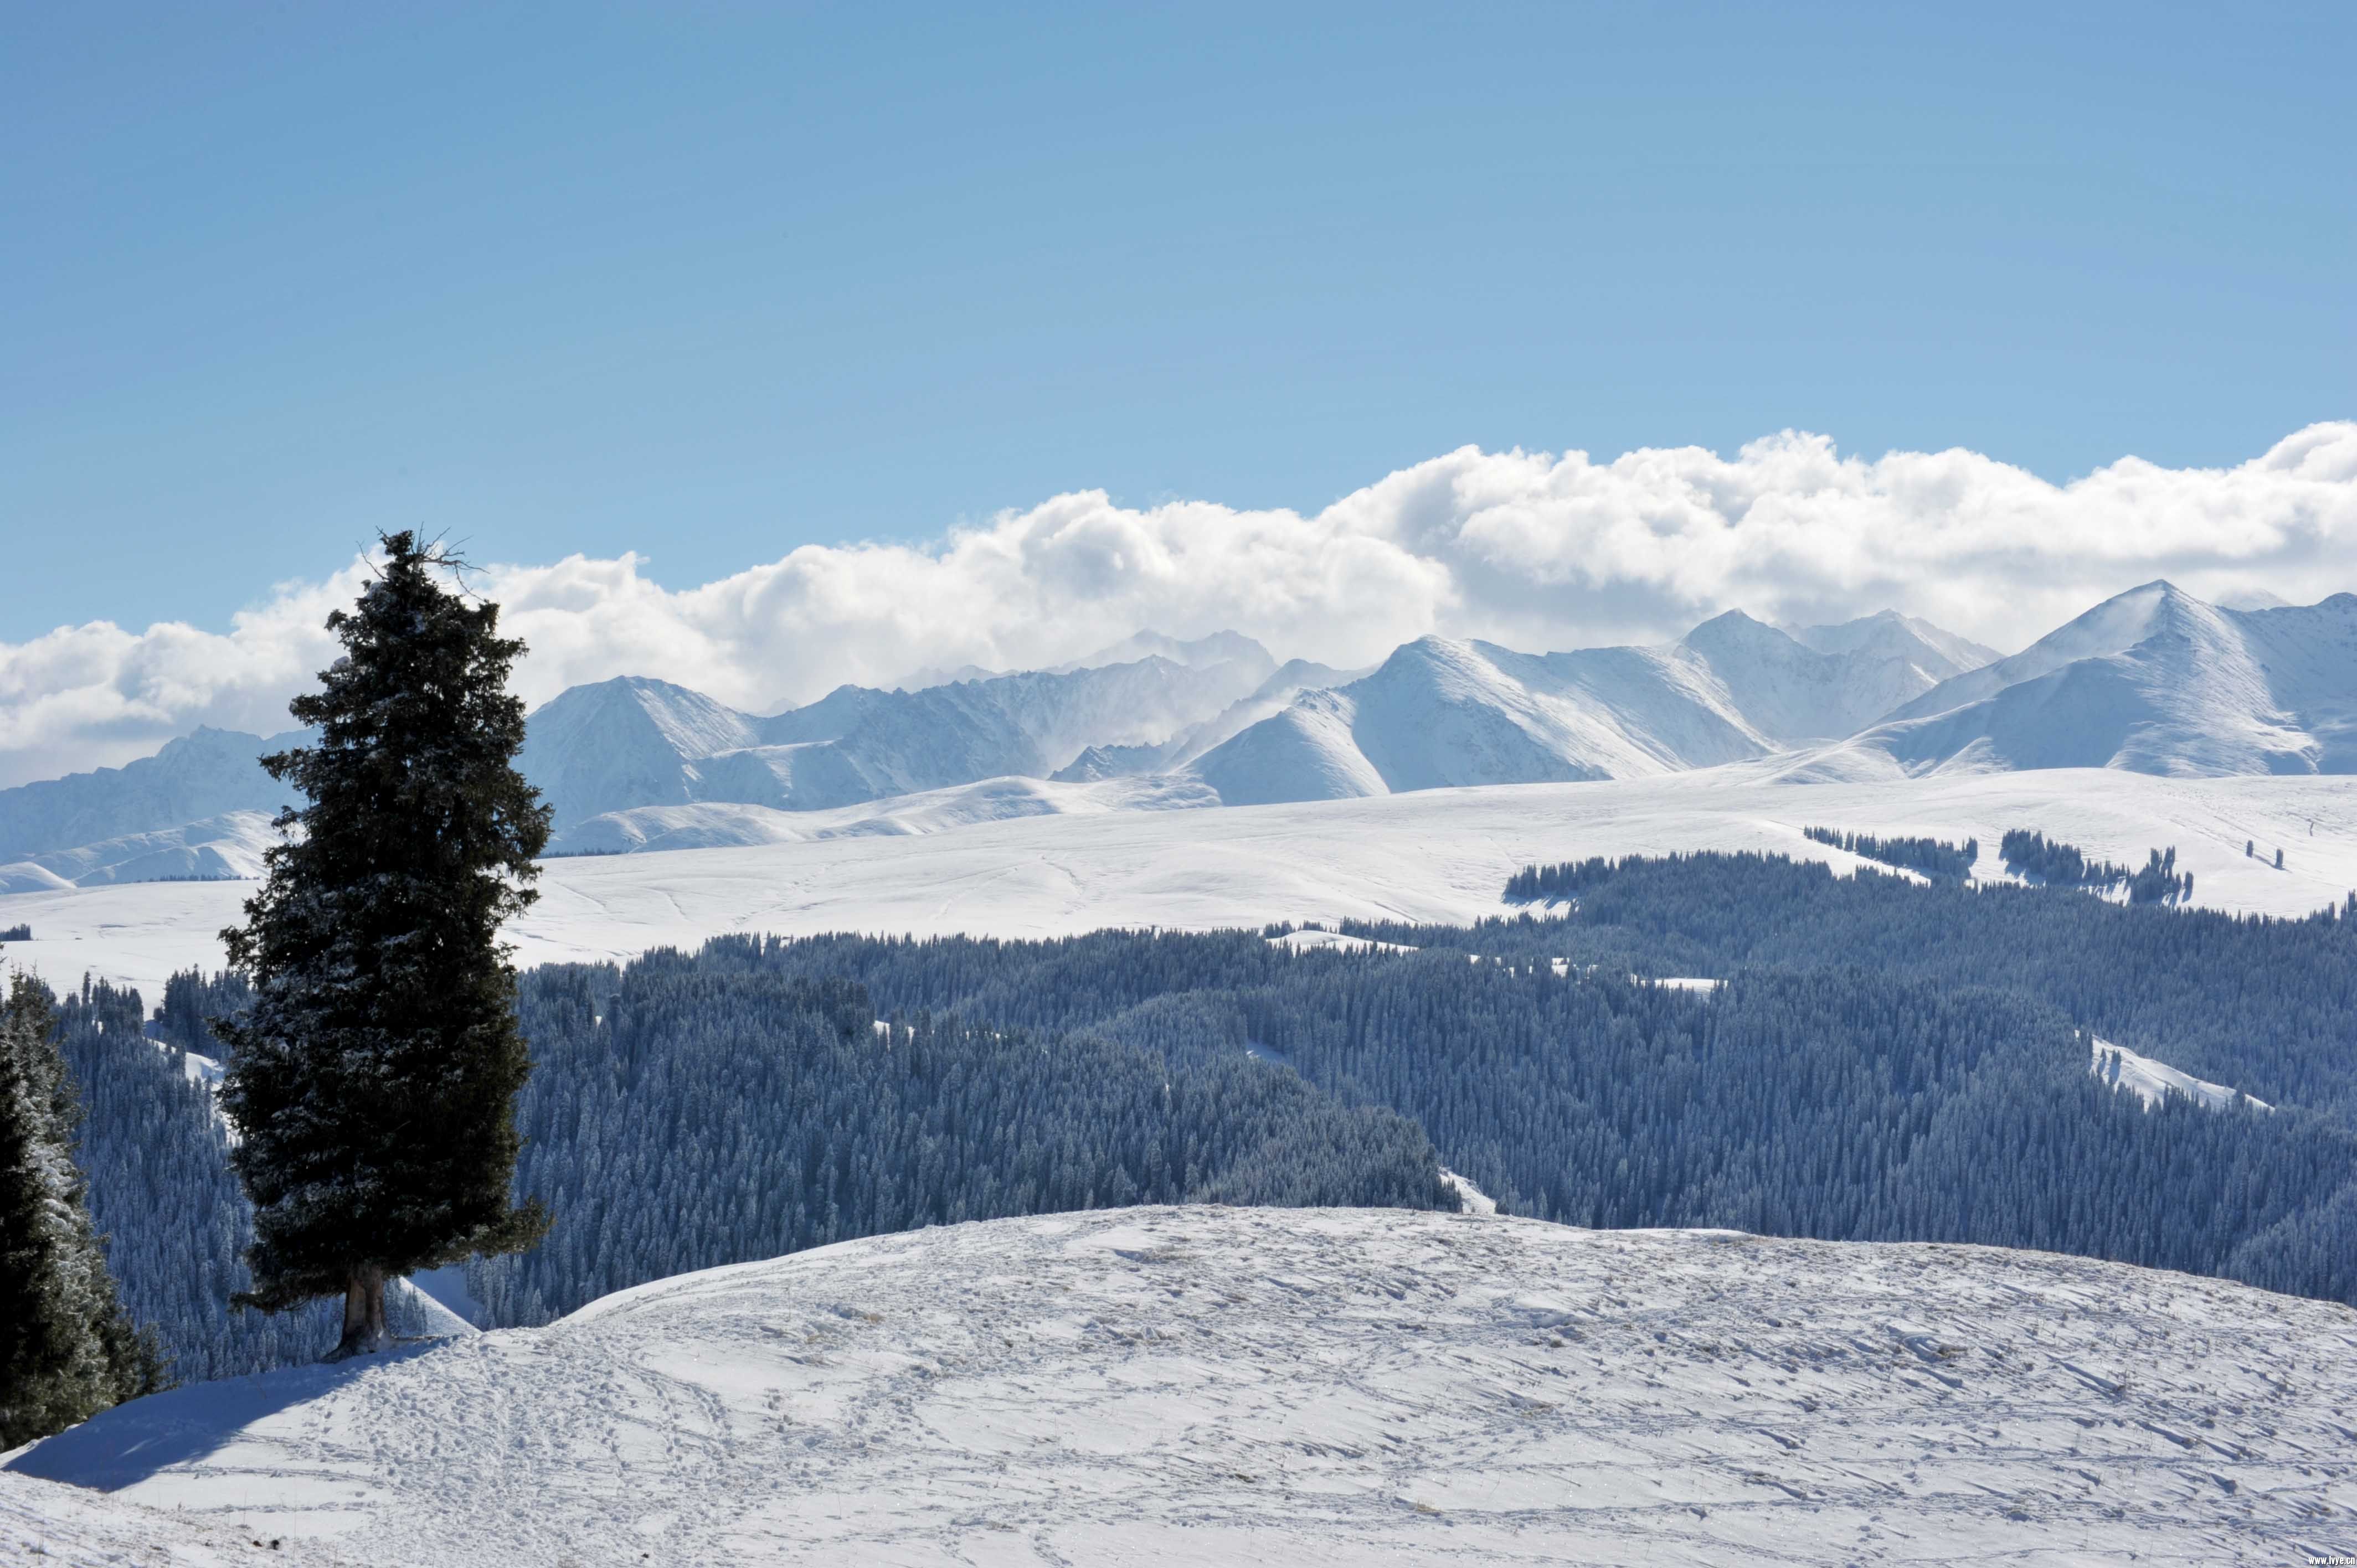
x=1534 y=550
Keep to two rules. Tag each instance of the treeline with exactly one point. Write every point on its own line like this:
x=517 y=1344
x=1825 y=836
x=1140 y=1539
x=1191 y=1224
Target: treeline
x=2269 y=1005
x=17 y=934
x=2027 y=853
x=1932 y=857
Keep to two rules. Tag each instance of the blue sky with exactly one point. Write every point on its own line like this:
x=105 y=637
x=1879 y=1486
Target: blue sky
x=710 y=282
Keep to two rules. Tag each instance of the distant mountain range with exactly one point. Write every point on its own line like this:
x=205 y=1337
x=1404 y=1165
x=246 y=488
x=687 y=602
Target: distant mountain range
x=2153 y=681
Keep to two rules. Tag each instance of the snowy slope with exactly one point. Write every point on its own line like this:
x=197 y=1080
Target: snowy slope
x=2154 y=1081
x=1209 y=1386
x=712 y=825
x=2154 y=681
x=1435 y=855
x=59 y=1526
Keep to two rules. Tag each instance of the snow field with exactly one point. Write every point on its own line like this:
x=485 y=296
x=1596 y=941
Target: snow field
x=58 y=1526
x=1441 y=855
x=1209 y=1386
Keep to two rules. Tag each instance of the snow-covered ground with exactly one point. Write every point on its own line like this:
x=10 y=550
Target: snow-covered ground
x=2154 y=1081
x=1441 y=855
x=1209 y=1386
x=59 y=1526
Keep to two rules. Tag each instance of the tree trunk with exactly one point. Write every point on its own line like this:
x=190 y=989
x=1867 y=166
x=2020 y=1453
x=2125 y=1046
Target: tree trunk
x=364 y=1331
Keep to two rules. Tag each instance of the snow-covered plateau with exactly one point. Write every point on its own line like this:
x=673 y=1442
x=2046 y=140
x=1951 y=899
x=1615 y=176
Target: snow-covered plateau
x=1214 y=1386
x=1437 y=855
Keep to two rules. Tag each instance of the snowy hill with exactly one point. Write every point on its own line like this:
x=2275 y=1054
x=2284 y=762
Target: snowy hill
x=2154 y=681
x=1215 y=1386
x=1441 y=855
x=717 y=824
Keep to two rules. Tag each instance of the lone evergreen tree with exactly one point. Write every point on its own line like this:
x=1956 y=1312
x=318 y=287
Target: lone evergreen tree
x=373 y=1078
x=66 y=1350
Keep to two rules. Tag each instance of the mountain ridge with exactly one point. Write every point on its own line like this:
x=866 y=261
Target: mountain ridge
x=2152 y=680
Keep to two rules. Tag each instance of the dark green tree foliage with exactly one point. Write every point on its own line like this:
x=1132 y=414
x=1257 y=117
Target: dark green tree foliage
x=192 y=999
x=67 y=1349
x=2059 y=865
x=373 y=1078
x=688 y=1111
x=175 y=1221
x=2266 y=1005
x=17 y=934
x=1932 y=857
x=1829 y=1100
x=1891 y=1060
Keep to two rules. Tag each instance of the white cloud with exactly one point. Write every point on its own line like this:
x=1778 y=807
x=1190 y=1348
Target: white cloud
x=1529 y=549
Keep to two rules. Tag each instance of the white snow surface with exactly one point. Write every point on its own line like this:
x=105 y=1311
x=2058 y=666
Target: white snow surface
x=59 y=1526
x=2154 y=1081
x=710 y=824
x=1440 y=855
x=1213 y=1386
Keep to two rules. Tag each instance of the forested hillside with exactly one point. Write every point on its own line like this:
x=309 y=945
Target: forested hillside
x=1887 y=1059
x=687 y=1112
x=2268 y=1005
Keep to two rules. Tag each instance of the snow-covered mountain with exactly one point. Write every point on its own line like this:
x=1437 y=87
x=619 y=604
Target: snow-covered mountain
x=221 y=848
x=1204 y=1386
x=713 y=824
x=1440 y=711
x=2154 y=681
x=206 y=774
x=1886 y=634
x=633 y=743
x=1272 y=696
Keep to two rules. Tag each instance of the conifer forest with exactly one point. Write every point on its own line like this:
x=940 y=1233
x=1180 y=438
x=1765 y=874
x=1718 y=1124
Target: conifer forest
x=1871 y=1041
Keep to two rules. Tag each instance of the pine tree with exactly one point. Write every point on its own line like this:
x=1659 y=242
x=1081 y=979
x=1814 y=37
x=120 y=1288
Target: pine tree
x=373 y=1078
x=67 y=1351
